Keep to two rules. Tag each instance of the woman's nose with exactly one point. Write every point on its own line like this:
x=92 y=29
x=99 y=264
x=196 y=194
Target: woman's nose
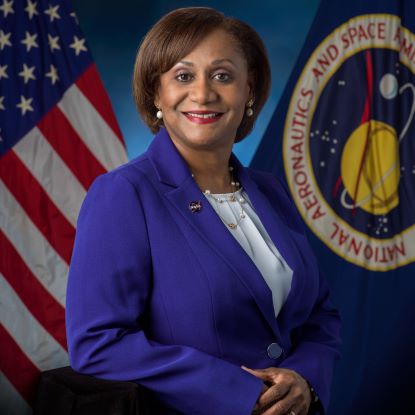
x=202 y=91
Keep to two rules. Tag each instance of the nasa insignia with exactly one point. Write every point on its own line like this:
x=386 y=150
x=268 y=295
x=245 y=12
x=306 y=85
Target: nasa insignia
x=349 y=142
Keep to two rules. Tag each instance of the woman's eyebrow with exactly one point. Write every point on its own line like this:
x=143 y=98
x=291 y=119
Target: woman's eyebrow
x=220 y=61
x=215 y=62
x=187 y=63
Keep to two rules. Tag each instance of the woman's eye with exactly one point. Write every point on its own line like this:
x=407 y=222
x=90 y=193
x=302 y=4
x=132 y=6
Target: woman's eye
x=222 y=77
x=184 y=77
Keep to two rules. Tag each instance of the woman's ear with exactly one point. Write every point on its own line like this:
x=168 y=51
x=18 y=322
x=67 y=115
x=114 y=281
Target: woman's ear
x=251 y=95
x=156 y=100
x=251 y=92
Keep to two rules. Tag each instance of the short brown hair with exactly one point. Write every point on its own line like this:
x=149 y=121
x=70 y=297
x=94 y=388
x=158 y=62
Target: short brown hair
x=174 y=36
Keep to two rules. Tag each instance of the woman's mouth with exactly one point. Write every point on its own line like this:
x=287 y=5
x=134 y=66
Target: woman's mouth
x=203 y=117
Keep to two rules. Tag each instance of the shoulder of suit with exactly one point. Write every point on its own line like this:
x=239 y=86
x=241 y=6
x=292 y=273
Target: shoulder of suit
x=135 y=171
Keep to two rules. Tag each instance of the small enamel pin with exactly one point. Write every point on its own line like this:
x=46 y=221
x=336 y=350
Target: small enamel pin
x=195 y=206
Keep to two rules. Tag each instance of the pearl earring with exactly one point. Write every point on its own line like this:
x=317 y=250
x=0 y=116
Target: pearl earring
x=159 y=114
x=249 y=110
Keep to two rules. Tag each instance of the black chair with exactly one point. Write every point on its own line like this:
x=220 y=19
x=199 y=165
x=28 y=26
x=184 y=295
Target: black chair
x=64 y=392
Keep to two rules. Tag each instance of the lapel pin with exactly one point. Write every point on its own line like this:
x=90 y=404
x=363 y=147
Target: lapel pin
x=195 y=206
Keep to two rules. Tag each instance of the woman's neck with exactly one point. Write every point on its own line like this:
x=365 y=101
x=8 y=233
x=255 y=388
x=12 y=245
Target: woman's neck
x=209 y=166
x=210 y=169
x=216 y=178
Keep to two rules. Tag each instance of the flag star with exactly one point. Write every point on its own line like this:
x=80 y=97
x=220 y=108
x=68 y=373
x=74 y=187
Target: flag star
x=25 y=104
x=31 y=9
x=4 y=39
x=73 y=14
x=27 y=73
x=53 y=42
x=7 y=7
x=3 y=73
x=2 y=107
x=53 y=12
x=78 y=45
x=30 y=41
x=52 y=74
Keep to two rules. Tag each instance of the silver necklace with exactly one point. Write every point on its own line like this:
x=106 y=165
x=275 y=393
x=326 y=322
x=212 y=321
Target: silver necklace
x=232 y=197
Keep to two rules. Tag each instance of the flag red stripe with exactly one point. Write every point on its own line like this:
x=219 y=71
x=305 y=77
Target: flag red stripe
x=59 y=132
x=17 y=367
x=91 y=86
x=35 y=201
x=367 y=111
x=34 y=295
x=366 y=116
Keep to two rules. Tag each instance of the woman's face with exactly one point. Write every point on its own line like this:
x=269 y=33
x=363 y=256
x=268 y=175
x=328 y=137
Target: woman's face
x=203 y=97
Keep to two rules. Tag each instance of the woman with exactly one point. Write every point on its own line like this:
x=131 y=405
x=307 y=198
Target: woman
x=191 y=274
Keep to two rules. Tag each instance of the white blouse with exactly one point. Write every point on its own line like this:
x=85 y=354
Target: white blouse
x=254 y=239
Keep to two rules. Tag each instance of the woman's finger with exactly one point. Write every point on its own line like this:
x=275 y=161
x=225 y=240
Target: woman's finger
x=259 y=373
x=281 y=407
x=297 y=410
x=293 y=402
x=257 y=409
x=273 y=394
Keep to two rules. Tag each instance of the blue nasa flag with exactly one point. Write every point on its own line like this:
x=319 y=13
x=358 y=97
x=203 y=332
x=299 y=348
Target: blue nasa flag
x=343 y=138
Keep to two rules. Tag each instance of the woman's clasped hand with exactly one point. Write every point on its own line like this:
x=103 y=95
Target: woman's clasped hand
x=284 y=392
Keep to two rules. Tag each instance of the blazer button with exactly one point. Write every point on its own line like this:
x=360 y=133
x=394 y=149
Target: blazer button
x=274 y=351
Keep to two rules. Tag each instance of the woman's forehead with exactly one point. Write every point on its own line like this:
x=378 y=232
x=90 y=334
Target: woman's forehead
x=217 y=47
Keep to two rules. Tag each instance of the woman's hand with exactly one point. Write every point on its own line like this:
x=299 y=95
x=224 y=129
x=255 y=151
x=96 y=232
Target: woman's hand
x=287 y=394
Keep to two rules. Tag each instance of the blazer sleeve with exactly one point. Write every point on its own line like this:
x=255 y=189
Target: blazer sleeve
x=317 y=341
x=109 y=285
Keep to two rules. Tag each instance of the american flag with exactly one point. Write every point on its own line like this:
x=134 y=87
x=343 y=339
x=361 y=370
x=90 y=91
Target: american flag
x=57 y=133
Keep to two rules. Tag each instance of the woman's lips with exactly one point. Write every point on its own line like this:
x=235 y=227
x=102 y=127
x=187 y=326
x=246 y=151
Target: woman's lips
x=203 y=117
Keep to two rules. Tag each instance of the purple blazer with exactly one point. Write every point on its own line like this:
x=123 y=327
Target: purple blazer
x=167 y=297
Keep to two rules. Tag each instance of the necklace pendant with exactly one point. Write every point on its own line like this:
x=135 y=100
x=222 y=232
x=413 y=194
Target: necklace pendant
x=232 y=225
x=232 y=198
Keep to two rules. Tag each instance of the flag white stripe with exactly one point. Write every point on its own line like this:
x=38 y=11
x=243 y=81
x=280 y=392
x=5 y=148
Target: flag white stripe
x=92 y=129
x=39 y=346
x=52 y=173
x=11 y=402
x=44 y=262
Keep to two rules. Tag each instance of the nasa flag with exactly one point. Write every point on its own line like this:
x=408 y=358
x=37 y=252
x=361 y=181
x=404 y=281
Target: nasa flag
x=343 y=138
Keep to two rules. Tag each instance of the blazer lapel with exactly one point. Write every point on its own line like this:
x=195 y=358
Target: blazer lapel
x=172 y=170
x=278 y=231
x=272 y=221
